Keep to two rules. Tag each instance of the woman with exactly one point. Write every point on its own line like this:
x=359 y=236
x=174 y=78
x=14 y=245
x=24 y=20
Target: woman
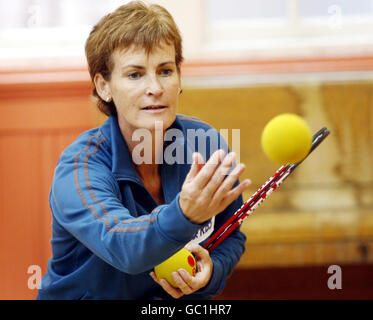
x=114 y=216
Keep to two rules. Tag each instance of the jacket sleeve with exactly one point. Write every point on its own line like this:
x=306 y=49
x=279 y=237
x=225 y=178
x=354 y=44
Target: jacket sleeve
x=85 y=200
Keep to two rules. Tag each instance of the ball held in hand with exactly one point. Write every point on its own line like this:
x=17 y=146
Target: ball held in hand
x=181 y=259
x=286 y=139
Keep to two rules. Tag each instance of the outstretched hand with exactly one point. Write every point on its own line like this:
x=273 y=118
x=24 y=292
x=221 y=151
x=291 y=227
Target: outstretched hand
x=186 y=283
x=207 y=189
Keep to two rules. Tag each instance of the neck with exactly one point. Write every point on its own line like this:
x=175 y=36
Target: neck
x=145 y=151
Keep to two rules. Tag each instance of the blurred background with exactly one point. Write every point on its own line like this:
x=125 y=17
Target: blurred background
x=245 y=62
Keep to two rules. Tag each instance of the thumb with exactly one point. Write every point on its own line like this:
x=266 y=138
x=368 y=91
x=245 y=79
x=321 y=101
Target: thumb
x=198 y=251
x=203 y=260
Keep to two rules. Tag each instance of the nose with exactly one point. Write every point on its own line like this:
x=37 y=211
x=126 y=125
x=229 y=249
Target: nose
x=154 y=87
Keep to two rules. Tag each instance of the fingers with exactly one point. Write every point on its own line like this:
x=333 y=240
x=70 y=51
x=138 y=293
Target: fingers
x=204 y=264
x=197 y=164
x=211 y=176
x=234 y=193
x=200 y=162
x=206 y=186
x=186 y=284
x=185 y=281
x=219 y=175
x=205 y=174
x=192 y=247
x=224 y=191
x=200 y=252
x=174 y=292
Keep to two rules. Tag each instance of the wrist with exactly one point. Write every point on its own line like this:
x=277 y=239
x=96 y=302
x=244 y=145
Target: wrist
x=184 y=210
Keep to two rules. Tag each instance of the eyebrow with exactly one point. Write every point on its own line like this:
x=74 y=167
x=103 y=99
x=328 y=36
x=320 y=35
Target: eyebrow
x=142 y=67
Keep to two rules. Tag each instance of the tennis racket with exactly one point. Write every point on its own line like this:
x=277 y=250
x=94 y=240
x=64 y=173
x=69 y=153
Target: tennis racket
x=259 y=196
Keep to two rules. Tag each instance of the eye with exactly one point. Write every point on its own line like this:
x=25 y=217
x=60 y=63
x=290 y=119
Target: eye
x=166 y=72
x=134 y=75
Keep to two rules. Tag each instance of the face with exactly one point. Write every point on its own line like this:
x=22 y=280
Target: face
x=144 y=87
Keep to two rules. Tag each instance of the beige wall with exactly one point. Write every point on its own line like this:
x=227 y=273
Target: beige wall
x=324 y=212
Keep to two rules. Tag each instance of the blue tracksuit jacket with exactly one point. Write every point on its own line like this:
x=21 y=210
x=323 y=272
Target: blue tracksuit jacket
x=108 y=231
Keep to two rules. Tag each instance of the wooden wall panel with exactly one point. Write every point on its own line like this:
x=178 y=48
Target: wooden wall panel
x=323 y=213
x=36 y=124
x=338 y=175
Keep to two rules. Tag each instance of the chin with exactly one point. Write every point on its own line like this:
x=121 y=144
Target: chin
x=166 y=120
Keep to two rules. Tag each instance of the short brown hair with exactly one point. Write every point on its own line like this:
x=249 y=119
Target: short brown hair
x=136 y=24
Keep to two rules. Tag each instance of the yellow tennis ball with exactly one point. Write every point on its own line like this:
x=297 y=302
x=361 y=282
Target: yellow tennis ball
x=286 y=139
x=181 y=259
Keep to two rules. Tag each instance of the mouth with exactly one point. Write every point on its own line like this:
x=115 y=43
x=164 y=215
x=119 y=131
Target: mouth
x=154 y=107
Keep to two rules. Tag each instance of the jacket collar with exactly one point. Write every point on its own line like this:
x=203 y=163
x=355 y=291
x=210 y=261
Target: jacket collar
x=122 y=166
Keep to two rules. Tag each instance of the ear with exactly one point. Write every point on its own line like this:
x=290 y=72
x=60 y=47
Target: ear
x=180 y=84
x=102 y=87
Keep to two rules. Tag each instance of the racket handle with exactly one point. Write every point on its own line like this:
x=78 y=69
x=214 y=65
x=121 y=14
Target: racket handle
x=223 y=236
